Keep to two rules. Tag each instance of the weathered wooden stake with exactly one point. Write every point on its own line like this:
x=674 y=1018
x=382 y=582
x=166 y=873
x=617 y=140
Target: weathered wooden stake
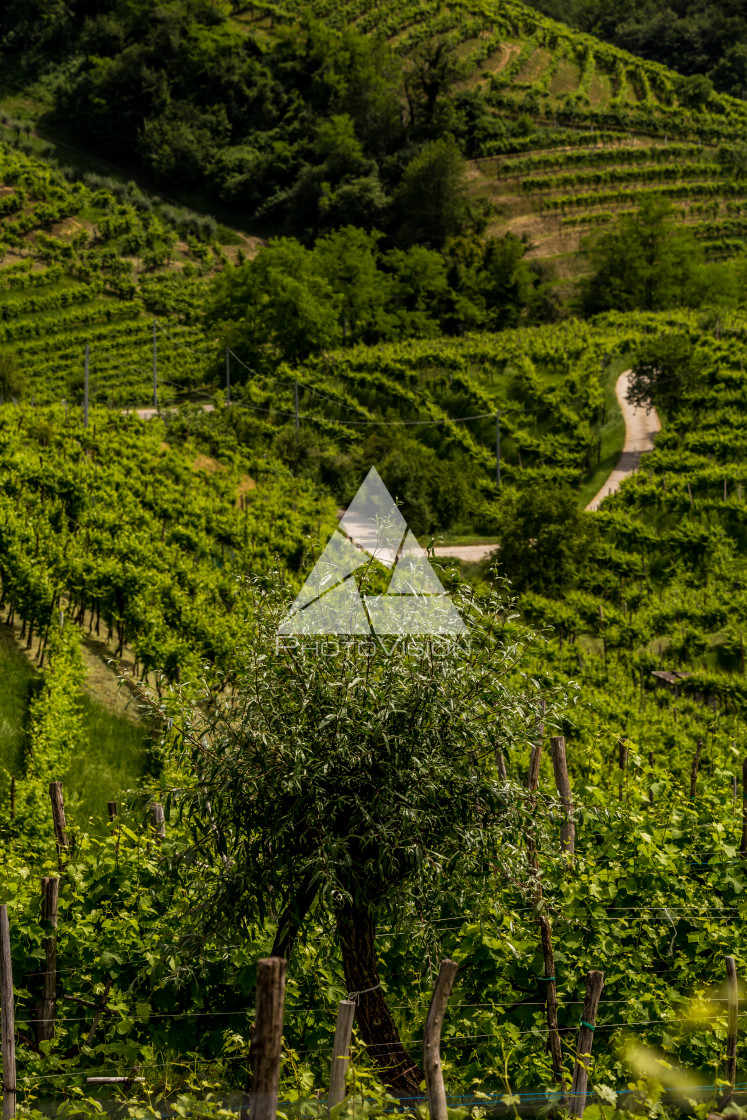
x=731 y=1034
x=594 y=982
x=158 y=821
x=551 y=986
x=7 y=1012
x=434 y=1077
x=264 y=1056
x=694 y=771
x=58 y=817
x=50 y=888
x=743 y=845
x=623 y=761
x=112 y=807
x=560 y=767
x=13 y=798
x=341 y=1051
x=651 y=764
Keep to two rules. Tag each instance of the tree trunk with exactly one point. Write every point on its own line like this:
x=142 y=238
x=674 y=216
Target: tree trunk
x=291 y=920
x=357 y=930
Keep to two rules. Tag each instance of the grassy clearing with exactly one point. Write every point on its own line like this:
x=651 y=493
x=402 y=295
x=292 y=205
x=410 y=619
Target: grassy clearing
x=112 y=762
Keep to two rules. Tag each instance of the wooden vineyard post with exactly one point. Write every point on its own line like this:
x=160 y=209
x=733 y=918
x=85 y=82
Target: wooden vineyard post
x=341 y=1051
x=434 y=1077
x=553 y=1037
x=560 y=767
x=594 y=982
x=13 y=798
x=267 y=1036
x=158 y=822
x=733 y=1012
x=651 y=764
x=694 y=771
x=50 y=888
x=623 y=761
x=7 y=1012
x=743 y=845
x=112 y=807
x=58 y=818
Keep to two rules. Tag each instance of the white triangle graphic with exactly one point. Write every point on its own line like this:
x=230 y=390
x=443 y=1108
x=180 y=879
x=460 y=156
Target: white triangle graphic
x=373 y=521
x=339 y=560
x=413 y=574
x=416 y=602
x=340 y=611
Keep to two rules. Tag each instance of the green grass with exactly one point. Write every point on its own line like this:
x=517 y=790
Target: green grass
x=612 y=433
x=112 y=762
x=17 y=677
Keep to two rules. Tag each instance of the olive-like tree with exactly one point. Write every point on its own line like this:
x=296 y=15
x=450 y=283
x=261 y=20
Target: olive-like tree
x=358 y=778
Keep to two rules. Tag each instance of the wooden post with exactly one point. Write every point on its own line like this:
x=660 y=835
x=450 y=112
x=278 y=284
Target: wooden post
x=731 y=1036
x=434 y=1077
x=58 y=818
x=267 y=1035
x=341 y=1051
x=594 y=982
x=560 y=766
x=50 y=888
x=623 y=761
x=7 y=1011
x=158 y=821
x=534 y=767
x=743 y=845
x=13 y=798
x=651 y=764
x=694 y=771
x=112 y=807
x=551 y=986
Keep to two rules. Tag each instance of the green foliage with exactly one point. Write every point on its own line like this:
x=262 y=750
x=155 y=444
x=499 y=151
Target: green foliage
x=666 y=373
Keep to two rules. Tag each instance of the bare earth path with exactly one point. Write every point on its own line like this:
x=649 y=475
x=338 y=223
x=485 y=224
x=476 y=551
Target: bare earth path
x=640 y=430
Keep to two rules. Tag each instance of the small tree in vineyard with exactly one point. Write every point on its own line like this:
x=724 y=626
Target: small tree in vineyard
x=359 y=783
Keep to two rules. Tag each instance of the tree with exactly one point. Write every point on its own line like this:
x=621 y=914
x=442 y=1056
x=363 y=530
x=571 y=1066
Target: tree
x=645 y=263
x=431 y=202
x=275 y=307
x=357 y=784
x=545 y=539
x=665 y=372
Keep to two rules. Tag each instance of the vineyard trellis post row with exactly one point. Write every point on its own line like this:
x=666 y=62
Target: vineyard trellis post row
x=341 y=1051
x=264 y=1056
x=434 y=1077
x=7 y=1012
x=594 y=982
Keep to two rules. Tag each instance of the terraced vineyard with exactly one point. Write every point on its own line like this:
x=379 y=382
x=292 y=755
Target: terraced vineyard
x=82 y=266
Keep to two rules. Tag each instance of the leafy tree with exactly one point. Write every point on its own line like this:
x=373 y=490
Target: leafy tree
x=276 y=307
x=347 y=259
x=665 y=372
x=355 y=787
x=645 y=262
x=431 y=203
x=545 y=539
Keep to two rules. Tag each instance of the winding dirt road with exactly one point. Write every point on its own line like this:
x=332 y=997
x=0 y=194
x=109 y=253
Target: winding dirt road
x=640 y=429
